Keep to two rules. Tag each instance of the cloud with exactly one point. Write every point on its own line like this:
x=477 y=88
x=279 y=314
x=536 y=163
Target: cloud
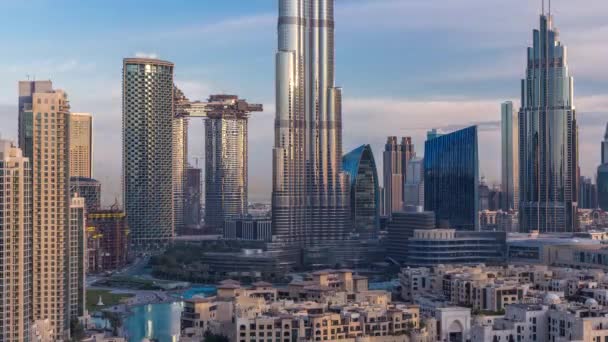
x=152 y=55
x=221 y=29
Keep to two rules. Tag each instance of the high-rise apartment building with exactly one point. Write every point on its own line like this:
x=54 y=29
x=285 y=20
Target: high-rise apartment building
x=548 y=137
x=414 y=183
x=44 y=121
x=602 y=175
x=396 y=159
x=364 y=191
x=509 y=125
x=180 y=156
x=76 y=259
x=148 y=135
x=451 y=178
x=16 y=241
x=192 y=198
x=81 y=145
x=310 y=201
x=89 y=189
x=226 y=159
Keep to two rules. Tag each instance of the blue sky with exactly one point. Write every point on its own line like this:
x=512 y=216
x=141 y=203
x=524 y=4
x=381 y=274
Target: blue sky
x=405 y=65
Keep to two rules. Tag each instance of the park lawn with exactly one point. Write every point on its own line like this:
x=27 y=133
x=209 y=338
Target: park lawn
x=108 y=298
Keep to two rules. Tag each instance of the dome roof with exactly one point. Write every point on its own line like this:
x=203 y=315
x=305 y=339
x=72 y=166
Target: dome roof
x=551 y=299
x=590 y=303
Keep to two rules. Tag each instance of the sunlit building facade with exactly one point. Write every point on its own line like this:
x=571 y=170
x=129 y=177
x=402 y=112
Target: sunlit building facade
x=364 y=191
x=226 y=156
x=548 y=137
x=16 y=241
x=81 y=145
x=44 y=121
x=76 y=259
x=451 y=178
x=310 y=201
x=148 y=114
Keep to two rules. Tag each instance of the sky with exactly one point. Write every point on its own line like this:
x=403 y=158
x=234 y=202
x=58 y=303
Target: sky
x=405 y=66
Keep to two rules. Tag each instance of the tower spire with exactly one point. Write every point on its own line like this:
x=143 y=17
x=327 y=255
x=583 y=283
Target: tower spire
x=543 y=7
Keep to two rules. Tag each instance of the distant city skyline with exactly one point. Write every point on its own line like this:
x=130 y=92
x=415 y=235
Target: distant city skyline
x=388 y=89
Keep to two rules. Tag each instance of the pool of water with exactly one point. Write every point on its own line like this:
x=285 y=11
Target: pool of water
x=161 y=321
x=201 y=291
x=154 y=321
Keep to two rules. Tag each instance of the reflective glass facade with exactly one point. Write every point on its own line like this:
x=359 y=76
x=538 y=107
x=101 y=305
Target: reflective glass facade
x=451 y=178
x=602 y=186
x=548 y=137
x=364 y=191
x=310 y=201
x=602 y=175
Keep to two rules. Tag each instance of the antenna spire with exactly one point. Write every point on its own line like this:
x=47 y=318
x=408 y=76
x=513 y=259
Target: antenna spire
x=543 y=7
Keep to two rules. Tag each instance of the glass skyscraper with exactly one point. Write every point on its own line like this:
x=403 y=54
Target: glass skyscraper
x=310 y=201
x=451 y=178
x=148 y=114
x=364 y=191
x=548 y=138
x=602 y=175
x=510 y=157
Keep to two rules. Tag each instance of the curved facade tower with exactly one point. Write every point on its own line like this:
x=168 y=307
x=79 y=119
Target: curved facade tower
x=310 y=192
x=364 y=191
x=548 y=137
x=148 y=140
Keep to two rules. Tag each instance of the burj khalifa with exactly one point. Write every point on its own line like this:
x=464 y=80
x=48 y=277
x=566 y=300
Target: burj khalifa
x=310 y=200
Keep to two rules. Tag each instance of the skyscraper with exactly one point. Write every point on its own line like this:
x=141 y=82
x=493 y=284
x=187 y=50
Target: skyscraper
x=451 y=178
x=180 y=156
x=414 y=183
x=310 y=201
x=81 y=145
x=548 y=138
x=509 y=124
x=226 y=159
x=393 y=176
x=192 y=198
x=434 y=133
x=148 y=118
x=602 y=175
x=76 y=259
x=89 y=189
x=16 y=242
x=44 y=120
x=364 y=191
x=396 y=158
x=587 y=193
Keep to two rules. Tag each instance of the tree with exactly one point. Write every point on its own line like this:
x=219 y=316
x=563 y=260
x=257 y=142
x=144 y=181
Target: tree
x=211 y=337
x=76 y=330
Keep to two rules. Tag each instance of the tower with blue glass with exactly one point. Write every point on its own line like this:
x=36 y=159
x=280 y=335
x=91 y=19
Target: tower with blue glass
x=451 y=178
x=360 y=165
